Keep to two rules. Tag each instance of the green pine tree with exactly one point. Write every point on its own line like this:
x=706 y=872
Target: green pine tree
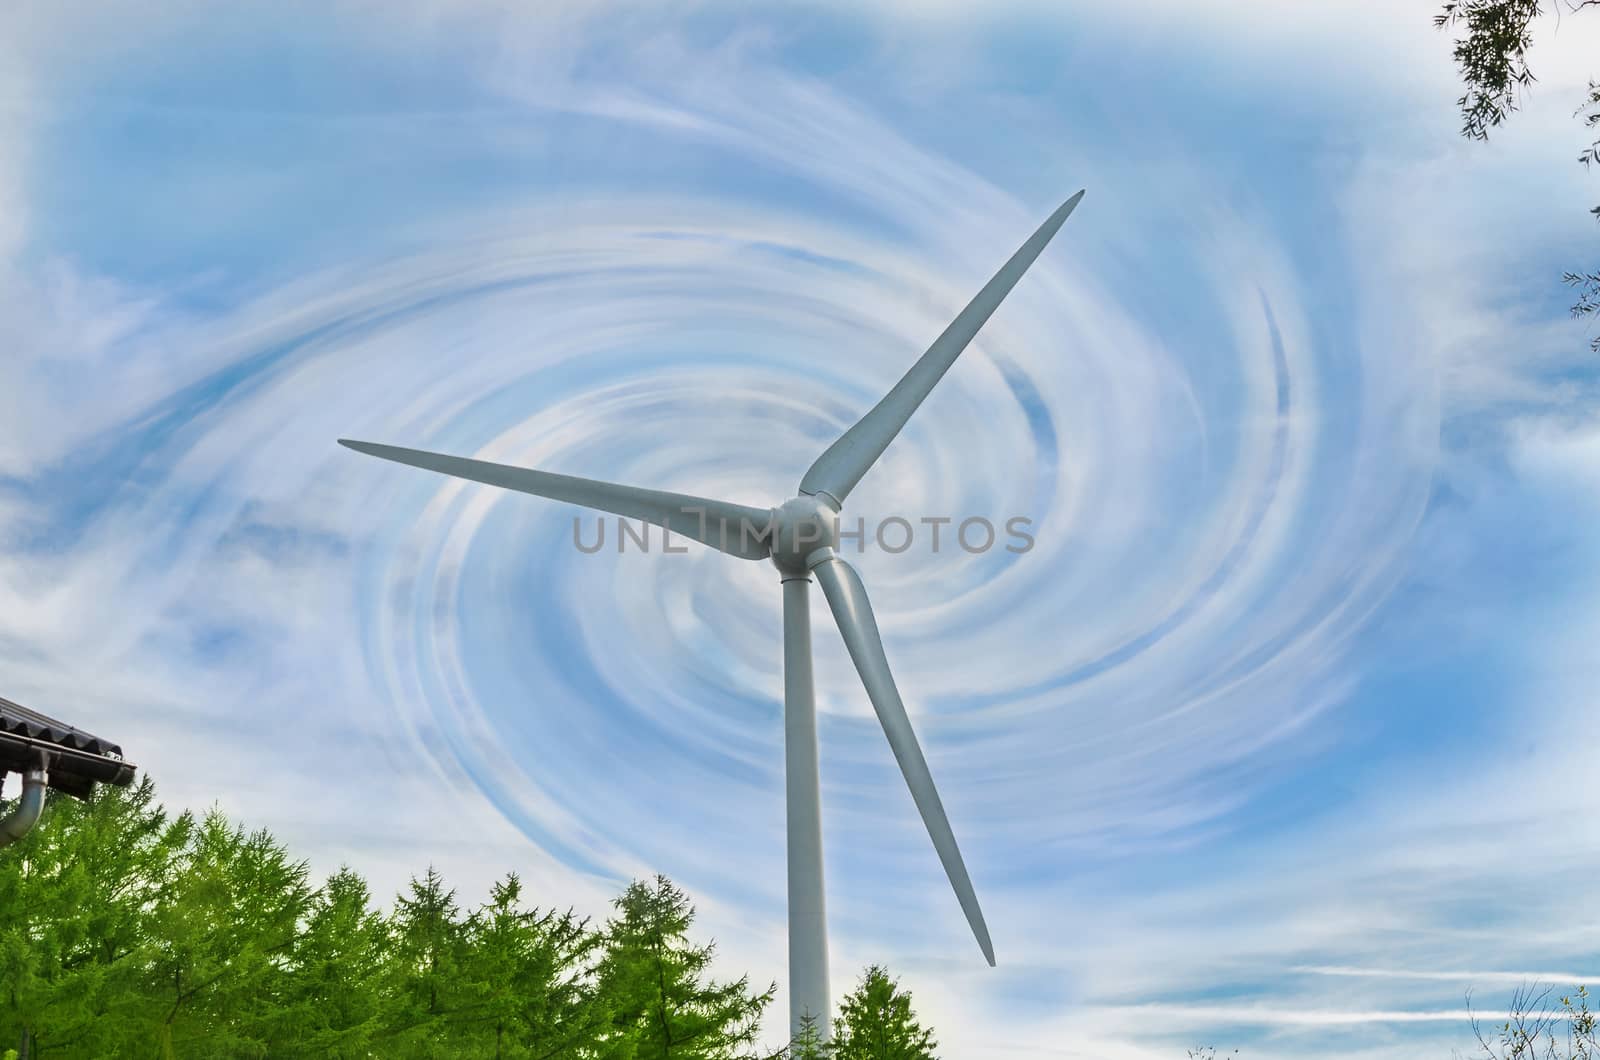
x=656 y=984
x=808 y=1044
x=222 y=936
x=429 y=946
x=337 y=999
x=526 y=978
x=77 y=894
x=876 y=1023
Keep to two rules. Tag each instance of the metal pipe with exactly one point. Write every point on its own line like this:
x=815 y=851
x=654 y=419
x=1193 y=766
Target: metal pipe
x=20 y=821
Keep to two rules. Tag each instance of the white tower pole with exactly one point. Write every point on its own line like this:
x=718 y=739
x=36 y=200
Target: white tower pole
x=808 y=931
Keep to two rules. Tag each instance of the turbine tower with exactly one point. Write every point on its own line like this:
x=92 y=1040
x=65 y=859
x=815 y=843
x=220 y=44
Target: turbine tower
x=800 y=537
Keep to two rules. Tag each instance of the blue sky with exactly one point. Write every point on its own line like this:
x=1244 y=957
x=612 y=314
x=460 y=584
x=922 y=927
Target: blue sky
x=1279 y=738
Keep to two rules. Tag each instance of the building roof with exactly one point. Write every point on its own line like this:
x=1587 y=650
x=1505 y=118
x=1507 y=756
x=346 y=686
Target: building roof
x=78 y=758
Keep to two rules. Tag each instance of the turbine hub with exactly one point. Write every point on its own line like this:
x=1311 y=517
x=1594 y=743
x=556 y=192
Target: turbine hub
x=801 y=526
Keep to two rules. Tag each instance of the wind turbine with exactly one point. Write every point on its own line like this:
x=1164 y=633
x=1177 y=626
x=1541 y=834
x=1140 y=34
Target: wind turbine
x=800 y=537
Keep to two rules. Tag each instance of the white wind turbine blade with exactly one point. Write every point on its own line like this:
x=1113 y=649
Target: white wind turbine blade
x=837 y=470
x=732 y=528
x=847 y=598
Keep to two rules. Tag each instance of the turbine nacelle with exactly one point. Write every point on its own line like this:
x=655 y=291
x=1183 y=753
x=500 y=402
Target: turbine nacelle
x=800 y=527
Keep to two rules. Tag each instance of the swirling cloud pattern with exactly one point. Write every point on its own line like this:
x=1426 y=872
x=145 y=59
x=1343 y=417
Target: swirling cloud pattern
x=1223 y=428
